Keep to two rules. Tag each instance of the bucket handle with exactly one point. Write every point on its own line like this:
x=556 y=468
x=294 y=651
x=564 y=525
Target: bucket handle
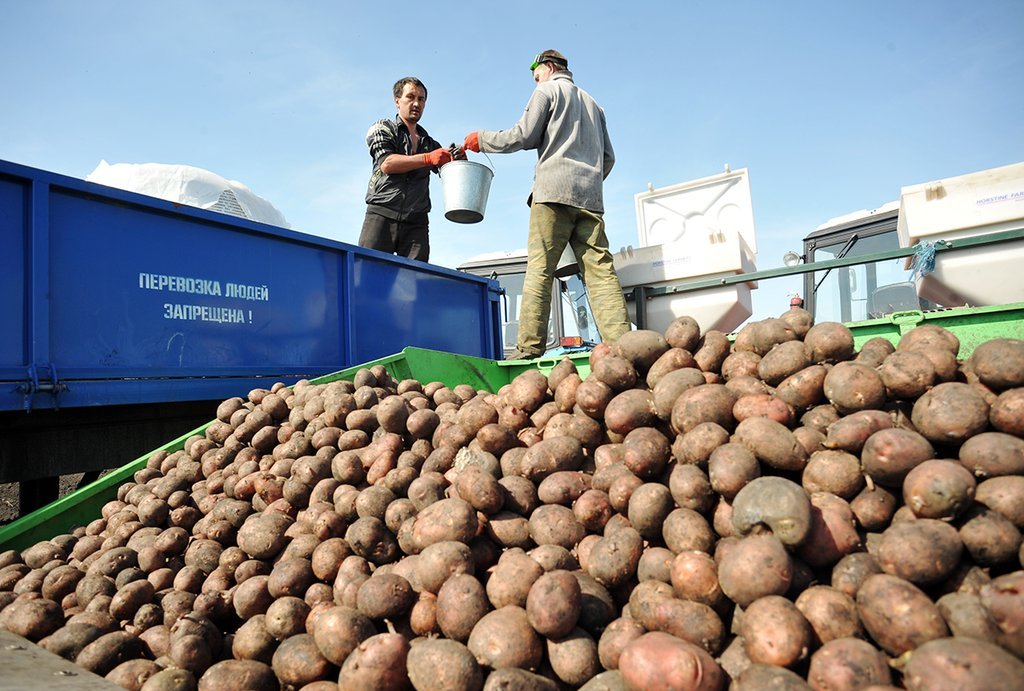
x=488 y=160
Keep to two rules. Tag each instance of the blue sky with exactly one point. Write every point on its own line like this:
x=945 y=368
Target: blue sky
x=831 y=107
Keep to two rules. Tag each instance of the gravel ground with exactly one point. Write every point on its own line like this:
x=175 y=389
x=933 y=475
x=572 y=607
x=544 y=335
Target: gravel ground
x=9 y=495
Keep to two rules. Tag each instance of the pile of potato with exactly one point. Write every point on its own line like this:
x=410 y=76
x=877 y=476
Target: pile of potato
x=775 y=512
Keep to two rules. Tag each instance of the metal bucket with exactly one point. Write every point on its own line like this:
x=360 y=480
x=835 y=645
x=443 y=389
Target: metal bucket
x=466 y=185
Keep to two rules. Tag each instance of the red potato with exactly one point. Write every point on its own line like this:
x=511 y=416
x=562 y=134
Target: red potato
x=379 y=662
x=775 y=632
x=950 y=413
x=999 y=363
x=658 y=662
x=1007 y=412
x=898 y=615
x=756 y=566
x=504 y=638
x=961 y=663
x=848 y=663
x=851 y=386
x=939 y=489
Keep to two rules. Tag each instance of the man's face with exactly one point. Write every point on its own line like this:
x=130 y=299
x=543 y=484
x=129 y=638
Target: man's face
x=411 y=103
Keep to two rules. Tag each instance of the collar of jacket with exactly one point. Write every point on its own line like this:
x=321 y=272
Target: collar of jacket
x=400 y=126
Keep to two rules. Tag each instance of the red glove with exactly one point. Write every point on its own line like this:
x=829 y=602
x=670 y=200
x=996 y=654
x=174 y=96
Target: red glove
x=437 y=157
x=472 y=142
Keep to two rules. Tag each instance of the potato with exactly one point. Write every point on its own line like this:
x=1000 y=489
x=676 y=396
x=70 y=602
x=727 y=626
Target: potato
x=961 y=663
x=831 y=613
x=829 y=342
x=298 y=661
x=385 y=596
x=898 y=615
x=774 y=502
x=965 y=615
x=339 y=630
x=671 y=385
x=614 y=558
x=504 y=638
x=848 y=663
x=132 y=674
x=923 y=551
x=247 y=674
x=443 y=664
x=615 y=371
x=772 y=443
x=989 y=537
x=938 y=489
x=653 y=605
x=991 y=454
x=461 y=603
x=837 y=472
x=649 y=504
x=999 y=363
x=832 y=533
x=685 y=529
x=554 y=603
x=550 y=456
x=671 y=360
x=907 y=374
x=510 y=581
x=804 y=388
x=1007 y=412
x=171 y=679
x=130 y=598
x=753 y=567
x=629 y=410
x=641 y=348
x=775 y=632
x=659 y=661
x=31 y=616
x=262 y=535
x=889 y=454
x=108 y=651
x=705 y=403
x=553 y=524
x=253 y=641
x=756 y=677
x=574 y=658
x=950 y=413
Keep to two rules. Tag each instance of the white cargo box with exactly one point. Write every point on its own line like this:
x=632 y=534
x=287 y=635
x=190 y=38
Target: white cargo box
x=979 y=203
x=693 y=231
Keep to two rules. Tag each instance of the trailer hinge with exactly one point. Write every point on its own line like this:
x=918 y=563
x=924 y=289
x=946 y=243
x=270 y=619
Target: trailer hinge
x=35 y=385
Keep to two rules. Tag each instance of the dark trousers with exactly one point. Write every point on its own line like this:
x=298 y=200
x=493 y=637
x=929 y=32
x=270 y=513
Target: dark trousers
x=408 y=238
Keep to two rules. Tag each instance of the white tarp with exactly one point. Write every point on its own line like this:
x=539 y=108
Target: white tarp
x=189 y=185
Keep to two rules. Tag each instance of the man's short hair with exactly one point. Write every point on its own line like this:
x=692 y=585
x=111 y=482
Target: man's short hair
x=400 y=84
x=559 y=61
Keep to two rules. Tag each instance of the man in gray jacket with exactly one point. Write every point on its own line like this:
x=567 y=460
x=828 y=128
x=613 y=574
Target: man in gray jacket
x=574 y=155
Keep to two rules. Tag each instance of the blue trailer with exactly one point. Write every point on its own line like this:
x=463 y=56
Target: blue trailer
x=124 y=316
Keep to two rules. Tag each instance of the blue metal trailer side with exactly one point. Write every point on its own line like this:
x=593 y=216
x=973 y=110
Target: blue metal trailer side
x=125 y=315
x=110 y=297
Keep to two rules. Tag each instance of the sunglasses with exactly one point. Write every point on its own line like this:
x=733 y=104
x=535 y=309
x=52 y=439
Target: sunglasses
x=540 y=59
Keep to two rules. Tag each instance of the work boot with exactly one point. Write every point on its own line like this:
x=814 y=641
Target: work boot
x=518 y=354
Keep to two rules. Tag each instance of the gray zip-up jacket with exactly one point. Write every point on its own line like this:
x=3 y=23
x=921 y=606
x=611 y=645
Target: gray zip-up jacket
x=567 y=128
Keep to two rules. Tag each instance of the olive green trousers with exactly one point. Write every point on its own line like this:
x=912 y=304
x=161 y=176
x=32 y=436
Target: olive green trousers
x=552 y=227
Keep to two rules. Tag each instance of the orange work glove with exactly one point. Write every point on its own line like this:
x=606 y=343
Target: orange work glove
x=472 y=142
x=437 y=157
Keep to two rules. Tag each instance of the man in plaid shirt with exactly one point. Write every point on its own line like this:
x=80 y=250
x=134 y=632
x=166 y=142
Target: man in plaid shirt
x=398 y=196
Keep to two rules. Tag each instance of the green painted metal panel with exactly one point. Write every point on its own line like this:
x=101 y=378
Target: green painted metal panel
x=971 y=325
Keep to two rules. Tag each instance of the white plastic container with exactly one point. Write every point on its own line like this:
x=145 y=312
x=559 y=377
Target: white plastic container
x=987 y=201
x=693 y=231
